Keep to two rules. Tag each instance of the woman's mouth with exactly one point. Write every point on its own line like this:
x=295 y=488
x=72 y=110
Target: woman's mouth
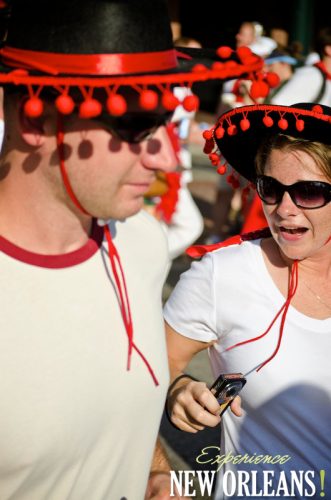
x=292 y=233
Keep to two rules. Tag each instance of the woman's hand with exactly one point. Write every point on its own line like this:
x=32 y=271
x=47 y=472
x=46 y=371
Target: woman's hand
x=192 y=406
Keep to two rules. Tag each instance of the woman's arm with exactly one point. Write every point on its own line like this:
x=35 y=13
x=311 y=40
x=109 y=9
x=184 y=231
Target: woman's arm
x=191 y=405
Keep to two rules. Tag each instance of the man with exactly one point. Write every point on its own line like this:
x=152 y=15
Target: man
x=311 y=83
x=86 y=97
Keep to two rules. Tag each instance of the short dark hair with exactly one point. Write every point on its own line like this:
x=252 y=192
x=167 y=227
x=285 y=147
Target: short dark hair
x=322 y=40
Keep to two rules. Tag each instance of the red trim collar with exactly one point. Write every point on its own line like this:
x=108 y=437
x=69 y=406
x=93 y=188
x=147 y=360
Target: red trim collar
x=55 y=261
x=322 y=67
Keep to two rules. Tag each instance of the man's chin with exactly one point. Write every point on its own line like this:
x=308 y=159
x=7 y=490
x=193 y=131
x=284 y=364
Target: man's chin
x=124 y=210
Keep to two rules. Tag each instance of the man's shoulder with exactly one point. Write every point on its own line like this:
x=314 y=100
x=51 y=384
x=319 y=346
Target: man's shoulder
x=141 y=224
x=142 y=237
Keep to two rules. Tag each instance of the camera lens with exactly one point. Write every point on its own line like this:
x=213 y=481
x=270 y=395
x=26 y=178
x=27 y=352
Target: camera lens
x=231 y=392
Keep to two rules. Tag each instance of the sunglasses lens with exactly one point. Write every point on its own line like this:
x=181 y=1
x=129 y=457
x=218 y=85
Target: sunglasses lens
x=311 y=194
x=269 y=190
x=135 y=127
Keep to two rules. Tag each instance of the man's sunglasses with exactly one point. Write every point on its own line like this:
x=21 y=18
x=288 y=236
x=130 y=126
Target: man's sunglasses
x=134 y=127
x=304 y=194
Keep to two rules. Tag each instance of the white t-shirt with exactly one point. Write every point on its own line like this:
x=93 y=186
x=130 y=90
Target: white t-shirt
x=304 y=86
x=230 y=297
x=186 y=224
x=74 y=423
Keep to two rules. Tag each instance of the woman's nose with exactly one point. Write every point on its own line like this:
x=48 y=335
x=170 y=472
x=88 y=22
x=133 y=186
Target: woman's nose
x=287 y=206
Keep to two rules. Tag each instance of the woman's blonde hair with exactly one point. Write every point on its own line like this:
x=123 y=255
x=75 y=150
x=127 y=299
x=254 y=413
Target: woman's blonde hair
x=319 y=152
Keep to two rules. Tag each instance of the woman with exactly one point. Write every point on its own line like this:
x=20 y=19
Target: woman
x=263 y=308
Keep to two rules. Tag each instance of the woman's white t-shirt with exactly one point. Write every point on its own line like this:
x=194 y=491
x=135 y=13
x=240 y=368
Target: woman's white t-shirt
x=228 y=297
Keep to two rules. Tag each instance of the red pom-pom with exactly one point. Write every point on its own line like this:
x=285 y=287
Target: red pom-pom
x=90 y=108
x=214 y=157
x=259 y=89
x=207 y=134
x=148 y=99
x=244 y=53
x=272 y=79
x=169 y=101
x=300 y=125
x=65 y=104
x=219 y=132
x=317 y=108
x=233 y=181
x=224 y=52
x=283 y=124
x=199 y=68
x=244 y=124
x=33 y=107
x=231 y=65
x=209 y=146
x=217 y=66
x=191 y=103
x=221 y=169
x=116 y=105
x=232 y=130
x=268 y=121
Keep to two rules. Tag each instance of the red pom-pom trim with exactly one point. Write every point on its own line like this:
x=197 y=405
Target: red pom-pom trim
x=259 y=89
x=224 y=52
x=300 y=125
x=272 y=79
x=244 y=53
x=283 y=124
x=207 y=134
x=221 y=169
x=169 y=101
x=199 y=68
x=317 y=108
x=116 y=105
x=232 y=130
x=209 y=146
x=33 y=107
x=191 y=103
x=217 y=66
x=90 y=108
x=268 y=121
x=148 y=99
x=219 y=132
x=244 y=124
x=65 y=104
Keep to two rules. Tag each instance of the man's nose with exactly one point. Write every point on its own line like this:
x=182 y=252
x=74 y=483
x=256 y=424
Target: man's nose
x=159 y=152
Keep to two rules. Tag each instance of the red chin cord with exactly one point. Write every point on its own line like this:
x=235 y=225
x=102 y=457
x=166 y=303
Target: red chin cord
x=114 y=258
x=292 y=288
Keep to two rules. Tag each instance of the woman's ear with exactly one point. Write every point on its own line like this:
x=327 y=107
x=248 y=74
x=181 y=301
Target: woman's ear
x=31 y=128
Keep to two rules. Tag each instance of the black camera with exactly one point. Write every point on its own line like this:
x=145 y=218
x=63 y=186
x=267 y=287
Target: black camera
x=226 y=387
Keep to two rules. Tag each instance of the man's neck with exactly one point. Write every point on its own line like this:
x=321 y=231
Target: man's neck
x=33 y=220
x=44 y=235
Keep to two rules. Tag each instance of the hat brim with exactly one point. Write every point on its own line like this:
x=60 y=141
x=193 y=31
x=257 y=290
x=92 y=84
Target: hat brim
x=194 y=65
x=240 y=143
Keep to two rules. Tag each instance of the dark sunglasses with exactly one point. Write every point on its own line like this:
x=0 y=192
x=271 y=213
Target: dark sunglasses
x=134 y=127
x=305 y=194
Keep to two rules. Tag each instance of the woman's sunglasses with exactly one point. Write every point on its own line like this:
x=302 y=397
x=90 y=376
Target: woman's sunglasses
x=304 y=194
x=134 y=127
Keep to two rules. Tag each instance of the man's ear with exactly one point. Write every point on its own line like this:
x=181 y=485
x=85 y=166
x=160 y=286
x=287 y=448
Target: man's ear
x=31 y=128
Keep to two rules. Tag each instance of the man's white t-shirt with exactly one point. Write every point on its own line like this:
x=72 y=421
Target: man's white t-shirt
x=75 y=424
x=229 y=297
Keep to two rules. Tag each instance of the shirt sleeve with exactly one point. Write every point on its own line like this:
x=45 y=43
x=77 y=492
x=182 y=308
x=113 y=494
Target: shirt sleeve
x=190 y=309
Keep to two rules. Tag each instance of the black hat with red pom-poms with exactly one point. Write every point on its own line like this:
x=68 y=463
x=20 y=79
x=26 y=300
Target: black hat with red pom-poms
x=86 y=53
x=237 y=134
